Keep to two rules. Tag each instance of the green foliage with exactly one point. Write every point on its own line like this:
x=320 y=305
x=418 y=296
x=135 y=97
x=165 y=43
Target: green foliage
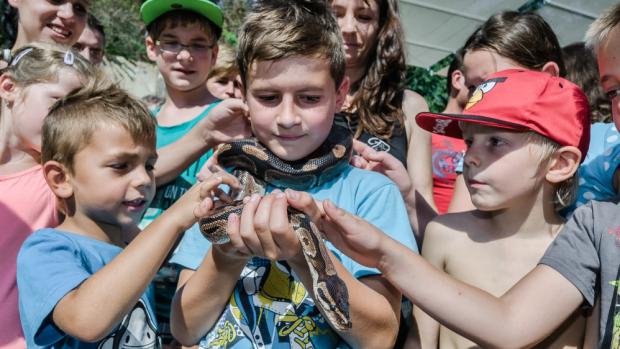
x=429 y=84
x=234 y=12
x=123 y=27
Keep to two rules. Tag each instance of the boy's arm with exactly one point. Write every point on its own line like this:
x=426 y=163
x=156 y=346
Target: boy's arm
x=419 y=157
x=225 y=122
x=526 y=314
x=433 y=251
x=202 y=295
x=95 y=307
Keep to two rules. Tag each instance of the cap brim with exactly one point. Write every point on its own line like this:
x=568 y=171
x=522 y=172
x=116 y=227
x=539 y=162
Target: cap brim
x=448 y=124
x=152 y=9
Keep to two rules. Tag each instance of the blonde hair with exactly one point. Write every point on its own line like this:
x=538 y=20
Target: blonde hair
x=74 y=119
x=225 y=65
x=599 y=30
x=565 y=192
x=41 y=63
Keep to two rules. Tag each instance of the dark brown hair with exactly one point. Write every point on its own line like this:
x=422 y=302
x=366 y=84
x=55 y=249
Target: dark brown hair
x=379 y=96
x=277 y=29
x=522 y=37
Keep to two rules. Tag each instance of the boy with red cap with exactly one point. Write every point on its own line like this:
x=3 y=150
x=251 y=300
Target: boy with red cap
x=526 y=132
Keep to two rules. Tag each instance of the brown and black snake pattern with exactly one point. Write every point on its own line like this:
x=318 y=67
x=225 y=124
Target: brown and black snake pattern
x=255 y=167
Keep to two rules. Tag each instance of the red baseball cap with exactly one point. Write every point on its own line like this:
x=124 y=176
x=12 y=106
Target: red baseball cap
x=522 y=100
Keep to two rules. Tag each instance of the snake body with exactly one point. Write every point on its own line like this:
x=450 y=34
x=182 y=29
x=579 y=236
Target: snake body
x=255 y=167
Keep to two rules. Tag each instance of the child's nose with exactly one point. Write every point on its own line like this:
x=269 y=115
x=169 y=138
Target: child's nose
x=471 y=157
x=288 y=115
x=143 y=178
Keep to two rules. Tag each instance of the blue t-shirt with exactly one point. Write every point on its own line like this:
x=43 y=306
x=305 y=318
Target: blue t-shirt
x=170 y=192
x=50 y=264
x=269 y=307
x=596 y=173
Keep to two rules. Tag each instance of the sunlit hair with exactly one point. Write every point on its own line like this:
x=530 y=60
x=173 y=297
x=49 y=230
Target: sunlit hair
x=182 y=18
x=379 y=94
x=524 y=38
x=74 y=119
x=278 y=29
x=599 y=30
x=226 y=64
x=582 y=69
x=43 y=63
x=565 y=192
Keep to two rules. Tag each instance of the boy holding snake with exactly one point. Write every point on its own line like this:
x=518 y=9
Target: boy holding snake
x=257 y=289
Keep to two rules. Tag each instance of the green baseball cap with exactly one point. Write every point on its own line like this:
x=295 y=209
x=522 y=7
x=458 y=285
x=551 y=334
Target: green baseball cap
x=151 y=9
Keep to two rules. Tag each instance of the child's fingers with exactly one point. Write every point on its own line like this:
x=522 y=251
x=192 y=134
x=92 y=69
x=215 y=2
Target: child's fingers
x=204 y=208
x=306 y=204
x=281 y=230
x=246 y=226
x=236 y=242
x=262 y=227
x=360 y=147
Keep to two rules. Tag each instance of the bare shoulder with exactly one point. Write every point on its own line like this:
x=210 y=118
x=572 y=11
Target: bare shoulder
x=413 y=103
x=449 y=230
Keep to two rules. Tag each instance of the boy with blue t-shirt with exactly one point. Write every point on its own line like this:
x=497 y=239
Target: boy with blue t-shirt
x=84 y=284
x=256 y=291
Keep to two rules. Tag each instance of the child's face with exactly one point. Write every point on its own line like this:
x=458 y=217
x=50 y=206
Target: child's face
x=608 y=57
x=91 y=45
x=292 y=102
x=112 y=178
x=359 y=24
x=184 y=56
x=31 y=105
x=224 y=86
x=501 y=168
x=60 y=21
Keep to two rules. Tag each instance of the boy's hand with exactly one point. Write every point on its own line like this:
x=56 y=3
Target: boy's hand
x=197 y=202
x=225 y=122
x=263 y=230
x=382 y=162
x=352 y=235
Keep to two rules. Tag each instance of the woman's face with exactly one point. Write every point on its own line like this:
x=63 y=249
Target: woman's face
x=59 y=21
x=359 y=23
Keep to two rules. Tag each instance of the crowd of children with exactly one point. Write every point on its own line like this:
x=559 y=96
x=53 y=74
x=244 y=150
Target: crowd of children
x=101 y=196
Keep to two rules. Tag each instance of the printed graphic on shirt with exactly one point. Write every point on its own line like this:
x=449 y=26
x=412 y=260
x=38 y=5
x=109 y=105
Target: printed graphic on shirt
x=445 y=161
x=269 y=308
x=378 y=144
x=137 y=330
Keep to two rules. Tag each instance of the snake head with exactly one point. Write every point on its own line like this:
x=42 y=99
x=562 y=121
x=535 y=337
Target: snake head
x=333 y=296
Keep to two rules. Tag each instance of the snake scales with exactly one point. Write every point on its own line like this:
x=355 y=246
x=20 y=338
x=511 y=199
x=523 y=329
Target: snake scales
x=255 y=166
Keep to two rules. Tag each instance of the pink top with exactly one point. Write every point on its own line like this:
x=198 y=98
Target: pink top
x=26 y=204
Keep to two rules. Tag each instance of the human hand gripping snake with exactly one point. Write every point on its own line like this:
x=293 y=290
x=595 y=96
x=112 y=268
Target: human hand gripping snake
x=255 y=166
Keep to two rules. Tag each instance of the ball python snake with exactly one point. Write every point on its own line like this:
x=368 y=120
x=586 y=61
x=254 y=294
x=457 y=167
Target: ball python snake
x=255 y=167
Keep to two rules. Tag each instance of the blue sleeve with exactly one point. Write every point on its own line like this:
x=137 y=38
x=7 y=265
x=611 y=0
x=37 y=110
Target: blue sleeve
x=48 y=267
x=192 y=249
x=385 y=209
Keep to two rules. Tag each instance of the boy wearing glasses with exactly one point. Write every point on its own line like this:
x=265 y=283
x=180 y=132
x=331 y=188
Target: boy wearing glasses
x=182 y=41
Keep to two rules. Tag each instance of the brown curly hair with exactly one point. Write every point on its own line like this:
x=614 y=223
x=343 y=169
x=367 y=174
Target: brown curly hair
x=379 y=94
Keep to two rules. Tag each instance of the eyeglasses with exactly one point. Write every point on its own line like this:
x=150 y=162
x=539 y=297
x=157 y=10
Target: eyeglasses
x=174 y=47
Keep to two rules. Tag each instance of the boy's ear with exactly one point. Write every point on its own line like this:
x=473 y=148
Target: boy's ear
x=58 y=179
x=551 y=68
x=341 y=93
x=8 y=89
x=564 y=163
x=151 y=48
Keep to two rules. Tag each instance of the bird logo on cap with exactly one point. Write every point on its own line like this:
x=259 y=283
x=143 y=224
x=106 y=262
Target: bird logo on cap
x=482 y=89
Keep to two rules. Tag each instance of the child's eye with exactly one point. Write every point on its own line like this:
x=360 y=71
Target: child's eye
x=80 y=10
x=495 y=141
x=268 y=98
x=468 y=142
x=119 y=166
x=149 y=167
x=310 y=99
x=613 y=93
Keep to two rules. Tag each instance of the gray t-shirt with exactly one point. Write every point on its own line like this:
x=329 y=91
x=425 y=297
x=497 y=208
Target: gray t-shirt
x=587 y=253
